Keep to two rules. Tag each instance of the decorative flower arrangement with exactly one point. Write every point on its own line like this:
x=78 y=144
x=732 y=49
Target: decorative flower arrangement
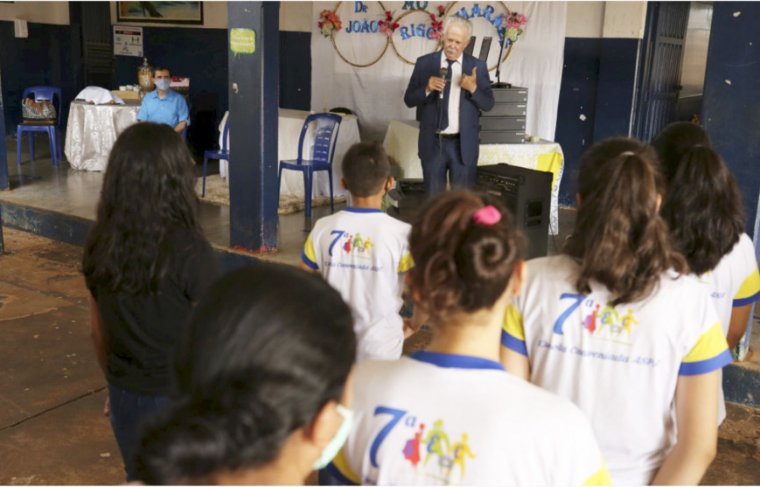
x=329 y=22
x=387 y=25
x=511 y=28
x=436 y=23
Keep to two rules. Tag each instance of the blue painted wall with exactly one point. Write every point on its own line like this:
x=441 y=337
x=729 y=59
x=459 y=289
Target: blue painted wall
x=577 y=97
x=598 y=83
x=617 y=72
x=44 y=58
x=295 y=70
x=201 y=55
x=731 y=112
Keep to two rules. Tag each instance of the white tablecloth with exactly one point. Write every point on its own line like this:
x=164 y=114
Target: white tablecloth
x=290 y=124
x=92 y=131
x=401 y=143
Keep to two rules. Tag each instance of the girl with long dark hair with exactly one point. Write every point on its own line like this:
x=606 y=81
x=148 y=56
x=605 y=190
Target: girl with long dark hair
x=261 y=394
x=145 y=263
x=616 y=324
x=703 y=209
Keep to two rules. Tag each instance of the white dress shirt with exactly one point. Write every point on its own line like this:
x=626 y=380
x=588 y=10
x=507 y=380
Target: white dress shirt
x=454 y=94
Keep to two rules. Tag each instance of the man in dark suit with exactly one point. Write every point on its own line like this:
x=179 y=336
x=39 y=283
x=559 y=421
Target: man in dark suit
x=449 y=109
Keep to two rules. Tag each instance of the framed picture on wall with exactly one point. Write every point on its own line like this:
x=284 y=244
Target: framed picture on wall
x=160 y=12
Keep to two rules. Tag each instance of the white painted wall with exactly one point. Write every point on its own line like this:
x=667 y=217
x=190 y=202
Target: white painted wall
x=585 y=19
x=36 y=12
x=624 y=20
x=296 y=16
x=619 y=20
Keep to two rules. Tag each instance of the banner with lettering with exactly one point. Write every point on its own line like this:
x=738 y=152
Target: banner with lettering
x=363 y=54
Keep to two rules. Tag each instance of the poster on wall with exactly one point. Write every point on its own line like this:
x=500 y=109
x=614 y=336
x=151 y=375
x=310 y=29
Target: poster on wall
x=127 y=41
x=160 y=12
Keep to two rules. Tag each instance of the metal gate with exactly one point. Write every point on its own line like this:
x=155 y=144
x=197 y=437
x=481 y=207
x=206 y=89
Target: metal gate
x=660 y=67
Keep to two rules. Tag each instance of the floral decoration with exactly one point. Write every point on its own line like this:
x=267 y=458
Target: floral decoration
x=511 y=28
x=387 y=25
x=329 y=22
x=436 y=23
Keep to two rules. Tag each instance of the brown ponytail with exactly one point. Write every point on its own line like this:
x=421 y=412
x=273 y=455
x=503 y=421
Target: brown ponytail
x=461 y=265
x=619 y=238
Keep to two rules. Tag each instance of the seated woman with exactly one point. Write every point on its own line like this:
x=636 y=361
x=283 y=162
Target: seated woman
x=260 y=384
x=452 y=414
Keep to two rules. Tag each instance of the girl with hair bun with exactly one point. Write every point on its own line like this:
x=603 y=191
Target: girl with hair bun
x=260 y=384
x=617 y=325
x=451 y=414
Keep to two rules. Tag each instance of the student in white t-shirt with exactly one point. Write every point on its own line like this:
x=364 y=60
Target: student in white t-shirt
x=617 y=325
x=703 y=209
x=364 y=254
x=452 y=414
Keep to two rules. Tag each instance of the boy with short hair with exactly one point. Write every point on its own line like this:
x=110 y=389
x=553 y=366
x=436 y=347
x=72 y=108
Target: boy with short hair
x=364 y=253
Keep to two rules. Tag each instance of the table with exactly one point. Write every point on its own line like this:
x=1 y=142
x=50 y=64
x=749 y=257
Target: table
x=92 y=130
x=401 y=143
x=290 y=124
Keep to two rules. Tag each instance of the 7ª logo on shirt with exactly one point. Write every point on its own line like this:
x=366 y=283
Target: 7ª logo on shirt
x=603 y=321
x=354 y=245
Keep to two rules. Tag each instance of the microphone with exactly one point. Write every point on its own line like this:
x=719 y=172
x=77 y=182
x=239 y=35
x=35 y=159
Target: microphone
x=443 y=74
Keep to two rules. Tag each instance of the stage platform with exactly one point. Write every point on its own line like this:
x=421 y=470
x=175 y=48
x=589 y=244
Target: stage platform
x=60 y=203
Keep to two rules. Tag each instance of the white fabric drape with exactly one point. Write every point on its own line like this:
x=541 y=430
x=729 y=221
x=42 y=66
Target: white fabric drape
x=376 y=92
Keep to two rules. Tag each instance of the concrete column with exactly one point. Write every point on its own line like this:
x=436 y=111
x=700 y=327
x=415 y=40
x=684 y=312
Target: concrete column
x=253 y=50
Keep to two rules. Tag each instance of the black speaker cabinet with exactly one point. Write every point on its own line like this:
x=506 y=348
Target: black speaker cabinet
x=406 y=199
x=527 y=194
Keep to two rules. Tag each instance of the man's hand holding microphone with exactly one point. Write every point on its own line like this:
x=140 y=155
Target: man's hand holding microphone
x=438 y=83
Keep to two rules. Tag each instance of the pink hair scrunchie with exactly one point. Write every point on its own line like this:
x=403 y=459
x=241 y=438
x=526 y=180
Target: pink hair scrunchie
x=488 y=215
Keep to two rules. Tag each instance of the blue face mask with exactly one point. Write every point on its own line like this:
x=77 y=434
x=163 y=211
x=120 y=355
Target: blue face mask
x=163 y=84
x=338 y=440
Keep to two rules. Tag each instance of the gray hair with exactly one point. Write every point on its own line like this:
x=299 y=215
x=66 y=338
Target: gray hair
x=456 y=20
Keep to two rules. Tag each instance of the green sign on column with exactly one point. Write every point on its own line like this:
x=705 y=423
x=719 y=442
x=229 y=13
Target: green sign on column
x=242 y=41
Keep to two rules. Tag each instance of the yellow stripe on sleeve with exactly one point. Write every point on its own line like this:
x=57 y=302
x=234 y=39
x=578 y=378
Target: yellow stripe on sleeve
x=513 y=322
x=405 y=263
x=749 y=291
x=512 y=333
x=308 y=255
x=710 y=353
x=600 y=477
x=340 y=462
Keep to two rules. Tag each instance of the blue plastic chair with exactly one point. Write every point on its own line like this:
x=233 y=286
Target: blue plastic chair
x=221 y=154
x=51 y=128
x=325 y=139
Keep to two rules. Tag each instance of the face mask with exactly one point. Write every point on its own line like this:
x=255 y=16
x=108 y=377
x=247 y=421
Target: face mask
x=338 y=440
x=163 y=84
